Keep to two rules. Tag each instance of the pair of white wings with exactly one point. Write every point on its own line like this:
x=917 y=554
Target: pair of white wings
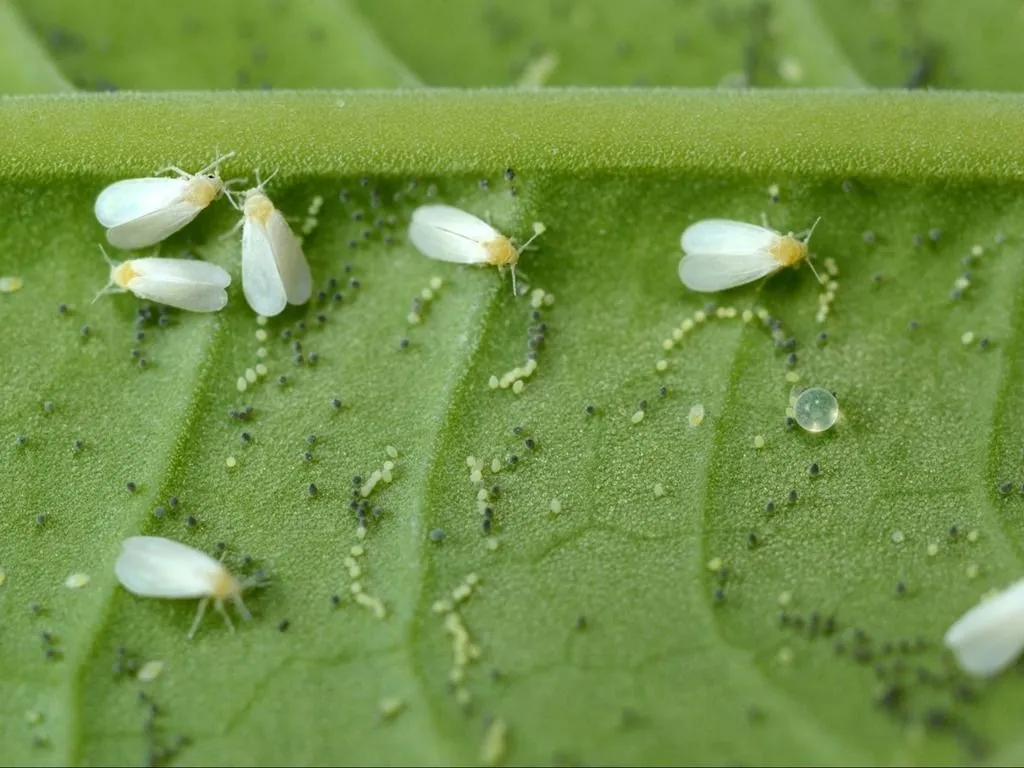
x=150 y=566
x=445 y=233
x=721 y=254
x=197 y=286
x=274 y=269
x=990 y=636
x=141 y=212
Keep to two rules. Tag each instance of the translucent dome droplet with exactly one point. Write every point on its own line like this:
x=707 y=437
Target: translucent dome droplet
x=816 y=409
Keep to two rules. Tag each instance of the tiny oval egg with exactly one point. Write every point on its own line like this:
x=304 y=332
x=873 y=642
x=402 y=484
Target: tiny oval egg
x=816 y=409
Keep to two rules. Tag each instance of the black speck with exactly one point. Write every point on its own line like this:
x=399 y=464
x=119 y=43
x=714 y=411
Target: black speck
x=173 y=501
x=191 y=521
x=282 y=626
x=769 y=507
x=814 y=470
x=437 y=535
x=159 y=512
x=245 y=437
x=131 y=487
x=590 y=410
x=336 y=404
x=901 y=588
x=1005 y=488
x=863 y=654
x=937 y=719
x=963 y=692
x=822 y=337
x=791 y=498
x=335 y=600
x=891 y=696
x=21 y=440
x=312 y=490
x=530 y=443
x=718 y=596
x=509 y=174
x=403 y=343
x=752 y=540
x=913 y=325
x=41 y=519
x=84 y=330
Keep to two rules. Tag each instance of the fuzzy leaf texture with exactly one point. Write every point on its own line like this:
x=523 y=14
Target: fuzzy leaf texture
x=647 y=592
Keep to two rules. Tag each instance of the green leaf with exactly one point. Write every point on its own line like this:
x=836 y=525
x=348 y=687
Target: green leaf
x=622 y=612
x=602 y=634
x=225 y=44
x=24 y=66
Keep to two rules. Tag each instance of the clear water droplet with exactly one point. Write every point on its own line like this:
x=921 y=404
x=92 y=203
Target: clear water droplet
x=816 y=409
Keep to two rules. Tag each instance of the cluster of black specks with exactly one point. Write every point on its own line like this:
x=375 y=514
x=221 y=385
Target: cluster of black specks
x=161 y=748
x=909 y=689
x=48 y=642
x=244 y=413
x=367 y=209
x=147 y=319
x=163 y=511
x=536 y=333
x=125 y=664
x=722 y=576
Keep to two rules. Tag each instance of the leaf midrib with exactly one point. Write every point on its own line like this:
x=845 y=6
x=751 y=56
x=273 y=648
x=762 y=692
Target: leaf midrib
x=951 y=137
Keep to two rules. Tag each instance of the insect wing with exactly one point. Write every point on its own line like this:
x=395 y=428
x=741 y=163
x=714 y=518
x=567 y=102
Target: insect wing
x=151 y=566
x=723 y=237
x=449 y=234
x=291 y=261
x=131 y=199
x=261 y=281
x=710 y=272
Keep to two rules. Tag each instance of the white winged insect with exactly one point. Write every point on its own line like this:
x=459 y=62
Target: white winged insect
x=141 y=212
x=151 y=566
x=721 y=254
x=990 y=636
x=274 y=268
x=197 y=286
x=445 y=233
